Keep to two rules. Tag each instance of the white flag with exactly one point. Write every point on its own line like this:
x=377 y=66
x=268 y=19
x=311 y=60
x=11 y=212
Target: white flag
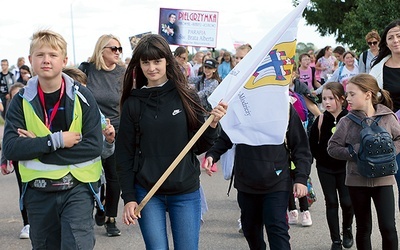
x=257 y=88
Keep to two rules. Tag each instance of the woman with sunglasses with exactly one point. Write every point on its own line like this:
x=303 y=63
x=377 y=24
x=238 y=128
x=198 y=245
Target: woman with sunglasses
x=366 y=58
x=386 y=69
x=105 y=72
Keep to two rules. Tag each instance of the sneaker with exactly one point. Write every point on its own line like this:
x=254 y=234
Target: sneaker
x=112 y=229
x=347 y=238
x=240 y=226
x=293 y=217
x=100 y=217
x=24 y=232
x=336 y=245
x=306 y=219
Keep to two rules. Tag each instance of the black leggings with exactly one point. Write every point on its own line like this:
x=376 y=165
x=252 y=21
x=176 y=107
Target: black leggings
x=332 y=185
x=112 y=186
x=24 y=214
x=303 y=203
x=383 y=198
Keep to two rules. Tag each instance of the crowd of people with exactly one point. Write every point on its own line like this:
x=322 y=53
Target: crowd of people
x=81 y=138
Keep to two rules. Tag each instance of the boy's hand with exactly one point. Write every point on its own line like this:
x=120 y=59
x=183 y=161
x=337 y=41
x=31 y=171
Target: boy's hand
x=25 y=133
x=299 y=190
x=109 y=132
x=71 y=138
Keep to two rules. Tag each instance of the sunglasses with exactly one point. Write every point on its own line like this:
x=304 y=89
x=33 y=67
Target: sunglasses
x=374 y=43
x=115 y=48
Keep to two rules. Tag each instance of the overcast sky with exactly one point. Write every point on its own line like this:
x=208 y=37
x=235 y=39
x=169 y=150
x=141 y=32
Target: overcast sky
x=249 y=21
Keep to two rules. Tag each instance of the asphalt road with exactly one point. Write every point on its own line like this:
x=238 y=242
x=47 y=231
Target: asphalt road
x=219 y=230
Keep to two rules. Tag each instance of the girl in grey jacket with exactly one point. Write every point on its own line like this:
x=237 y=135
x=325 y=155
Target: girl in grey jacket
x=366 y=99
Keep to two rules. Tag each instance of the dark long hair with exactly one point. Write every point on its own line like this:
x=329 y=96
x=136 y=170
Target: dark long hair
x=338 y=92
x=321 y=53
x=383 y=48
x=153 y=47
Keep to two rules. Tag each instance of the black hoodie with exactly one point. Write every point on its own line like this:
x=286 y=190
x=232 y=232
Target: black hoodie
x=265 y=168
x=164 y=133
x=319 y=144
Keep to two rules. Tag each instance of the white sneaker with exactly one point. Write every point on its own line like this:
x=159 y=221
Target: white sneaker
x=24 y=232
x=240 y=226
x=293 y=217
x=306 y=219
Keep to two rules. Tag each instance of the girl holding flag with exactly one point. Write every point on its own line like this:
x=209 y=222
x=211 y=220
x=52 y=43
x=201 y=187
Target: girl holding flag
x=165 y=114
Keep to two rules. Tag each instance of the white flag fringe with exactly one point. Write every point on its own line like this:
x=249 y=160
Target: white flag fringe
x=257 y=88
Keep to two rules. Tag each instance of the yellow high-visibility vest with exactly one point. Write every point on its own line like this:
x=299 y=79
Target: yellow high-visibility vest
x=88 y=171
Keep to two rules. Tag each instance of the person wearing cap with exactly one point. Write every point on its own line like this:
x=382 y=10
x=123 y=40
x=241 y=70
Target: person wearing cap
x=207 y=82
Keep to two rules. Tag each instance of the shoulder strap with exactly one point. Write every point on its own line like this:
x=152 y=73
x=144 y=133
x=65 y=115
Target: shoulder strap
x=365 y=55
x=340 y=73
x=360 y=122
x=320 y=118
x=354 y=118
x=313 y=75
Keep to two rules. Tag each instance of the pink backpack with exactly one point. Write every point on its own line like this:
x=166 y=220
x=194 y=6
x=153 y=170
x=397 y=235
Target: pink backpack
x=299 y=105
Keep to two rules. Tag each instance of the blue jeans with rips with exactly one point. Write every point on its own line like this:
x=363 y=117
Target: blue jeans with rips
x=184 y=212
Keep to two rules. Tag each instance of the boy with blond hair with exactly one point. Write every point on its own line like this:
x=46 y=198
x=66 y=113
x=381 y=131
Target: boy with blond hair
x=53 y=129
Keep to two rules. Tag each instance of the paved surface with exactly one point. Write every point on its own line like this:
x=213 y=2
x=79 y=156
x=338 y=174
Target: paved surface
x=218 y=232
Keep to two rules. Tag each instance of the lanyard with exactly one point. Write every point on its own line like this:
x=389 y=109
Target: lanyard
x=48 y=121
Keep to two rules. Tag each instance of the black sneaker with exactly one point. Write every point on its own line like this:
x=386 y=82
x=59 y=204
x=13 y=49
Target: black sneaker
x=100 y=217
x=347 y=238
x=112 y=229
x=336 y=245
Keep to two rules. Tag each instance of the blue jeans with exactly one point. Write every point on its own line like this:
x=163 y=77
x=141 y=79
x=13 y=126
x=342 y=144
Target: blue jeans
x=184 y=213
x=269 y=210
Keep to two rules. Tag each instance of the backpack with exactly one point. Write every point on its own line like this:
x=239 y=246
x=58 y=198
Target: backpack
x=377 y=154
x=340 y=73
x=84 y=67
x=313 y=76
x=299 y=105
x=364 y=57
x=311 y=196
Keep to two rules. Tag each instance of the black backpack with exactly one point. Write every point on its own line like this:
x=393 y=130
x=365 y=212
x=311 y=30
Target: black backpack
x=377 y=154
x=84 y=67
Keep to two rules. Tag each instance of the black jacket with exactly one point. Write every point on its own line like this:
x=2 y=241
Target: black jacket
x=325 y=162
x=257 y=168
x=164 y=133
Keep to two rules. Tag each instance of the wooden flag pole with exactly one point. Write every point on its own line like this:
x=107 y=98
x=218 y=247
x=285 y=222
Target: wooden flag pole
x=173 y=165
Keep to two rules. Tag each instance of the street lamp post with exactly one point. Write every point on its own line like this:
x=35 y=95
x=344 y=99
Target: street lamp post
x=73 y=37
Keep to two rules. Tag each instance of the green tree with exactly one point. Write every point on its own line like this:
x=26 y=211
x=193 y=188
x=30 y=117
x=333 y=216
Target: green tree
x=350 y=20
x=304 y=47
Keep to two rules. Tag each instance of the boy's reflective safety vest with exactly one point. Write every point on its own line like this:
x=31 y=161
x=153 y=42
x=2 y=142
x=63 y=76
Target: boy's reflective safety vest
x=88 y=171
